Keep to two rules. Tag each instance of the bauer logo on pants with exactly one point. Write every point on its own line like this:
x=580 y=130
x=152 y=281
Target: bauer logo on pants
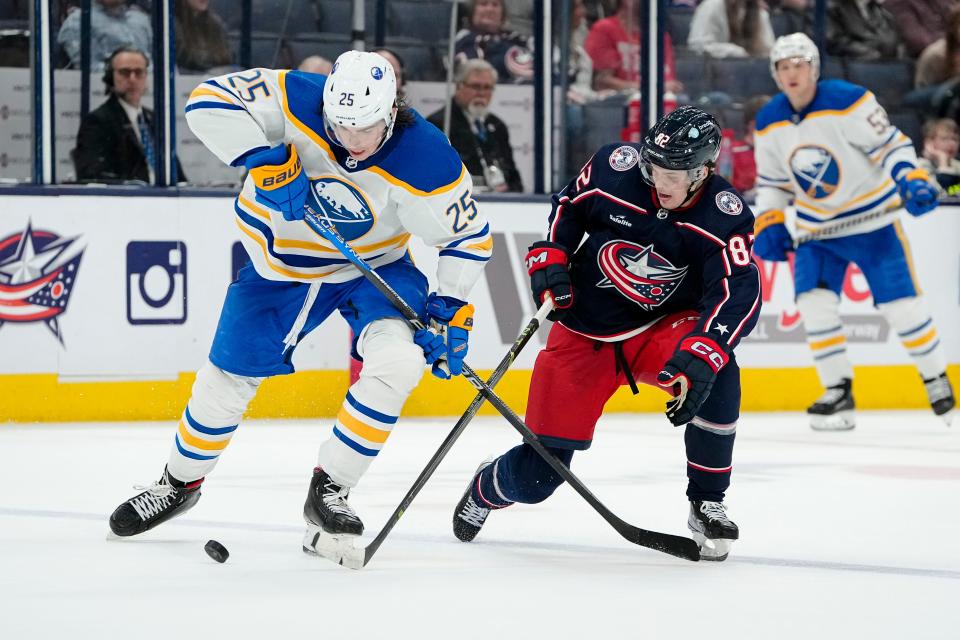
x=156 y=282
x=38 y=270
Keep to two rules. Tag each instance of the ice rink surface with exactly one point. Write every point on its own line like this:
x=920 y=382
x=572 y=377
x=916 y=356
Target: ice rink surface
x=843 y=535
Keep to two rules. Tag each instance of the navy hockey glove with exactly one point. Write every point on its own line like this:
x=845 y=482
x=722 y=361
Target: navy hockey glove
x=279 y=180
x=690 y=374
x=772 y=241
x=445 y=343
x=919 y=195
x=548 y=266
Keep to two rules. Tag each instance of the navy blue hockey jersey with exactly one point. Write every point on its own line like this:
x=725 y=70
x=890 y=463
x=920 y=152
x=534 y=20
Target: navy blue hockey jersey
x=639 y=262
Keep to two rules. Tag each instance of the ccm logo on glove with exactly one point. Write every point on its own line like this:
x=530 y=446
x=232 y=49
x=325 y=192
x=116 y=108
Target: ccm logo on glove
x=708 y=351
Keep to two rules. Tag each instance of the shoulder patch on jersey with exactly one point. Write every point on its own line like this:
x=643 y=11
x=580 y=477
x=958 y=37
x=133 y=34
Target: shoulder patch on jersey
x=624 y=158
x=729 y=203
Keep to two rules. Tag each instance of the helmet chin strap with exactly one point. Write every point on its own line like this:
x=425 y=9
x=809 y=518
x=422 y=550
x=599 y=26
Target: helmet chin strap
x=695 y=187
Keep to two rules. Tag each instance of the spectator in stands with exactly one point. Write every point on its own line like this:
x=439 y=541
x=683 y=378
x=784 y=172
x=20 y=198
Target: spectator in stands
x=744 y=162
x=316 y=64
x=940 y=61
x=115 y=141
x=613 y=45
x=941 y=142
x=481 y=138
x=488 y=39
x=792 y=16
x=113 y=24
x=861 y=29
x=201 y=37
x=919 y=22
x=397 y=63
x=731 y=29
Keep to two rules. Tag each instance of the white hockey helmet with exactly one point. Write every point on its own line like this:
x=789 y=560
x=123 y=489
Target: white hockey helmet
x=360 y=92
x=794 y=45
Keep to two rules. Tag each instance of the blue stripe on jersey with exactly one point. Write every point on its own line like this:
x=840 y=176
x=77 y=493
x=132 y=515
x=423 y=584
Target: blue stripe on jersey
x=289 y=259
x=769 y=179
x=884 y=143
x=210 y=431
x=370 y=413
x=915 y=329
x=190 y=454
x=465 y=256
x=213 y=105
x=353 y=445
x=479 y=234
x=852 y=212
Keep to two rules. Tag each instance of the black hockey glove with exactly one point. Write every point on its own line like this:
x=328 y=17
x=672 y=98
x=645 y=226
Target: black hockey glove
x=690 y=375
x=548 y=266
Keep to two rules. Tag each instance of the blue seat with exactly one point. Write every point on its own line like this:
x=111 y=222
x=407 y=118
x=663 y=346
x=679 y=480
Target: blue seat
x=329 y=46
x=741 y=77
x=420 y=61
x=910 y=124
x=833 y=68
x=889 y=80
x=692 y=72
x=418 y=20
x=679 y=25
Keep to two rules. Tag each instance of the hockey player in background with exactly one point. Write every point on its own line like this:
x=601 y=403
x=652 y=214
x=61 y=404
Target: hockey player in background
x=661 y=291
x=829 y=147
x=345 y=145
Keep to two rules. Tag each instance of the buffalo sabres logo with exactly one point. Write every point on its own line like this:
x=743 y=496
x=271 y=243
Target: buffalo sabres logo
x=38 y=270
x=639 y=273
x=729 y=203
x=343 y=205
x=623 y=158
x=816 y=171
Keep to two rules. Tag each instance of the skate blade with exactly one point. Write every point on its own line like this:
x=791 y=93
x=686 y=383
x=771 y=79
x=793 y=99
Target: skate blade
x=338 y=548
x=947 y=417
x=841 y=421
x=712 y=550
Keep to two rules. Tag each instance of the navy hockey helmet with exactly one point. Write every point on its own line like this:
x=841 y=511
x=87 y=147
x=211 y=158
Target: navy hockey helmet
x=687 y=139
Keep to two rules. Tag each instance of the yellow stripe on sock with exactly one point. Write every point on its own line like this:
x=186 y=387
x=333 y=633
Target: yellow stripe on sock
x=829 y=342
x=925 y=338
x=194 y=441
x=365 y=431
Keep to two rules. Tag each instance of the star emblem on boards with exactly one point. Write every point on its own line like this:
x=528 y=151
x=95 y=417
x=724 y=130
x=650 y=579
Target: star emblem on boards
x=721 y=329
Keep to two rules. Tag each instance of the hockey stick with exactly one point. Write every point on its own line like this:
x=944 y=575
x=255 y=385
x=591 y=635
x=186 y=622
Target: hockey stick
x=458 y=429
x=828 y=231
x=674 y=545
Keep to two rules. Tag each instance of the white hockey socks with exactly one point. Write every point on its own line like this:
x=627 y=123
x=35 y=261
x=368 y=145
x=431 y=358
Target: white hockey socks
x=820 y=310
x=914 y=326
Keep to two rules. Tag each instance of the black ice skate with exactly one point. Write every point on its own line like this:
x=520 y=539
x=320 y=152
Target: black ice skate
x=833 y=411
x=940 y=393
x=468 y=517
x=164 y=499
x=332 y=524
x=712 y=529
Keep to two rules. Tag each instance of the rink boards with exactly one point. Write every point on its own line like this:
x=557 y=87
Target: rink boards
x=109 y=305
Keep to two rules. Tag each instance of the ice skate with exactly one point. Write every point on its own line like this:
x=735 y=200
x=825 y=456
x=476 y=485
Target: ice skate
x=332 y=524
x=712 y=529
x=940 y=393
x=164 y=499
x=468 y=517
x=833 y=411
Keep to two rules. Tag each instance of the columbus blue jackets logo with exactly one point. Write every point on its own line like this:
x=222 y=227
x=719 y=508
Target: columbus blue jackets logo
x=816 y=171
x=638 y=272
x=624 y=158
x=38 y=270
x=341 y=203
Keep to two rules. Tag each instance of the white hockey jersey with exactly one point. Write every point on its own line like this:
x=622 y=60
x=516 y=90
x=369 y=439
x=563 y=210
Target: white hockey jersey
x=416 y=184
x=838 y=159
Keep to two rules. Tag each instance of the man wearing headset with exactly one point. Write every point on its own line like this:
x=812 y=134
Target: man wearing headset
x=115 y=142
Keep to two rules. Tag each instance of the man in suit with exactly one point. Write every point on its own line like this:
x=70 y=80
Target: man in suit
x=481 y=138
x=115 y=142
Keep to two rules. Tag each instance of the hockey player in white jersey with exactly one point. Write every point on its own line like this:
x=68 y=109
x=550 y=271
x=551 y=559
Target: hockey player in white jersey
x=346 y=146
x=829 y=148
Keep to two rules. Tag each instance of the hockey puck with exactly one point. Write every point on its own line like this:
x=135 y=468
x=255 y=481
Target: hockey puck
x=216 y=551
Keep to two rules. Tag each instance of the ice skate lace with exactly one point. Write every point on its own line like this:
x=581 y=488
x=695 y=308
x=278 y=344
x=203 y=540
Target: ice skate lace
x=473 y=514
x=938 y=388
x=153 y=500
x=335 y=499
x=832 y=396
x=714 y=511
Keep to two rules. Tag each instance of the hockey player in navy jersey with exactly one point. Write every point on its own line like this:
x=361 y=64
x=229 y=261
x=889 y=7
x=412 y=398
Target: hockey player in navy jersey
x=345 y=145
x=829 y=148
x=661 y=291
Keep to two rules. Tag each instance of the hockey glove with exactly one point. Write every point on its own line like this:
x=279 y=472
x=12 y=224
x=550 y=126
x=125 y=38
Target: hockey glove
x=548 y=266
x=919 y=195
x=772 y=240
x=690 y=375
x=444 y=343
x=279 y=180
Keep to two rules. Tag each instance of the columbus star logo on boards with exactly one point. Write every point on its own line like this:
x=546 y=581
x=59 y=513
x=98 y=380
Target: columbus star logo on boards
x=38 y=270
